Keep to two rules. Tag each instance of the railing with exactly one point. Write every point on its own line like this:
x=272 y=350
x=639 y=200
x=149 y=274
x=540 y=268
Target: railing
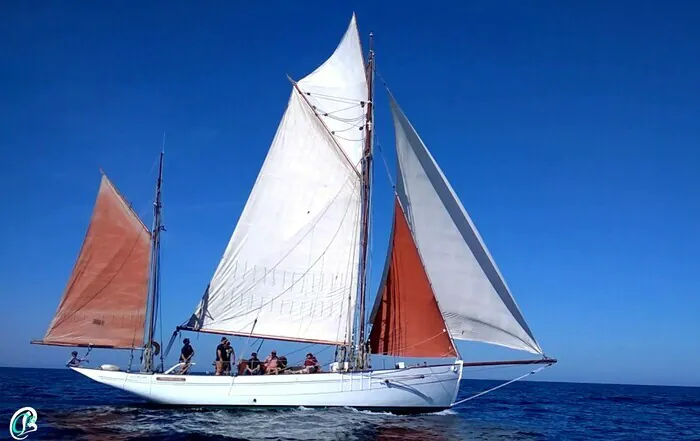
x=179 y=365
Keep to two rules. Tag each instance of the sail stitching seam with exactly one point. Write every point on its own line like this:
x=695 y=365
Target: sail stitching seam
x=63 y=319
x=310 y=267
x=412 y=345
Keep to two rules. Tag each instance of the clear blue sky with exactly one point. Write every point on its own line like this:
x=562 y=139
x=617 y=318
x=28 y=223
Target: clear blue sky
x=570 y=132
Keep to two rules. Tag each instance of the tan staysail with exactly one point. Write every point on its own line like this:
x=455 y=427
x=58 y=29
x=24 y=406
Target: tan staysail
x=104 y=303
x=406 y=320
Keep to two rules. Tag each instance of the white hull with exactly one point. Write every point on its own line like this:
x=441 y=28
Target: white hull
x=413 y=389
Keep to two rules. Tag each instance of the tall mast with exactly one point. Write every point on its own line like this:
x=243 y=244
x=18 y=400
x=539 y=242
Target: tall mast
x=154 y=292
x=366 y=183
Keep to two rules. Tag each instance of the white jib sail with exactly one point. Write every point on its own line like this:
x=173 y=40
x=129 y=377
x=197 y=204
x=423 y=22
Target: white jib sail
x=473 y=297
x=290 y=268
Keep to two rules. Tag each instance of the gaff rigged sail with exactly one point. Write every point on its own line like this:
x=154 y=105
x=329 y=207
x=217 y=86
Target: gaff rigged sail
x=290 y=269
x=104 y=302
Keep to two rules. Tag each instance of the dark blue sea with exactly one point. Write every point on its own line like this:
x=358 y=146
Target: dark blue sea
x=71 y=407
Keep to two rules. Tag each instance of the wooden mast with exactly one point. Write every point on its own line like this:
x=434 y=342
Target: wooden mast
x=154 y=294
x=361 y=362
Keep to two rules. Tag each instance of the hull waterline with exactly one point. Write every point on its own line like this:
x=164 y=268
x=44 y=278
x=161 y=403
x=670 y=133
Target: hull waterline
x=409 y=390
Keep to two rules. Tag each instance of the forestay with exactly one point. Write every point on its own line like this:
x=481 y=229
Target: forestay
x=472 y=295
x=290 y=269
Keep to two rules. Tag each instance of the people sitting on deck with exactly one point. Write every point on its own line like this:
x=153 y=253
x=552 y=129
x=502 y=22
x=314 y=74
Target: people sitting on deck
x=75 y=361
x=272 y=364
x=282 y=363
x=186 y=354
x=222 y=357
x=311 y=364
x=254 y=365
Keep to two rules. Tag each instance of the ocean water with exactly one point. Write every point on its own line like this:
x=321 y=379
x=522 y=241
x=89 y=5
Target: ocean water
x=71 y=407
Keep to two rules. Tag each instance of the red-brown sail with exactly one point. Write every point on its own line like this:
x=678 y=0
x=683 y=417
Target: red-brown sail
x=408 y=321
x=104 y=303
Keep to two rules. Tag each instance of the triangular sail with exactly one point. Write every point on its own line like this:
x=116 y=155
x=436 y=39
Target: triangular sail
x=289 y=271
x=473 y=297
x=337 y=91
x=104 y=302
x=406 y=320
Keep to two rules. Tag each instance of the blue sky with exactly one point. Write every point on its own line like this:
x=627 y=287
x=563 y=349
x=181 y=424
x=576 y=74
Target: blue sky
x=570 y=132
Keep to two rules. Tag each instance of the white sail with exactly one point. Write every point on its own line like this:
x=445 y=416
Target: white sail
x=338 y=90
x=290 y=269
x=473 y=297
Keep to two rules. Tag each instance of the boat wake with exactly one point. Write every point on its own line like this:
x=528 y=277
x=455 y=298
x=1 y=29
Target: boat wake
x=134 y=422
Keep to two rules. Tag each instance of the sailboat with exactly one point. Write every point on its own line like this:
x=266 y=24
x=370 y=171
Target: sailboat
x=295 y=269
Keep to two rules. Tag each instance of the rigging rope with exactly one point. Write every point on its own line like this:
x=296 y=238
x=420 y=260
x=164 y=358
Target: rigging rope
x=159 y=319
x=347 y=139
x=386 y=165
x=171 y=342
x=336 y=98
x=301 y=361
x=393 y=351
x=131 y=359
x=160 y=324
x=343 y=109
x=500 y=385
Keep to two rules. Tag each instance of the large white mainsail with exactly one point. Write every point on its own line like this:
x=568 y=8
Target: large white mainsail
x=472 y=295
x=290 y=268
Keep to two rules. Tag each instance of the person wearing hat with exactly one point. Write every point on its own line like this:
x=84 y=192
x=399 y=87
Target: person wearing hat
x=186 y=354
x=254 y=365
x=310 y=364
x=222 y=356
x=75 y=361
x=271 y=363
x=230 y=358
